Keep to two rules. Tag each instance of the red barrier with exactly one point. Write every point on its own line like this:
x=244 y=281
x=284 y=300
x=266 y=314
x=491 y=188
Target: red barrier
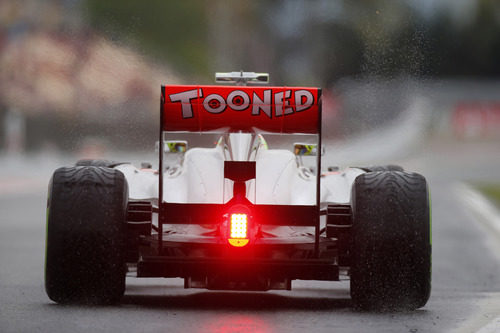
x=476 y=119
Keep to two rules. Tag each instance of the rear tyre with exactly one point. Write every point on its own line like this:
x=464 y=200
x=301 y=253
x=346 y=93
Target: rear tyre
x=86 y=212
x=97 y=163
x=388 y=167
x=391 y=266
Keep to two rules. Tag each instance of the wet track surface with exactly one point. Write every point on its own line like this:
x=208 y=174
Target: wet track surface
x=466 y=273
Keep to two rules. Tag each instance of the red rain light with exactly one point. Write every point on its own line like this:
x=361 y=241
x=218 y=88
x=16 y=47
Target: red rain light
x=239 y=225
x=238 y=230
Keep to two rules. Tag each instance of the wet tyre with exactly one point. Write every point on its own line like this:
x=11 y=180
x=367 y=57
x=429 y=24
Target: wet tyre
x=86 y=212
x=389 y=167
x=97 y=163
x=391 y=254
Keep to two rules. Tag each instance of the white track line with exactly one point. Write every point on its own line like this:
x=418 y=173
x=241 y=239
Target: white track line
x=489 y=215
x=480 y=205
x=492 y=327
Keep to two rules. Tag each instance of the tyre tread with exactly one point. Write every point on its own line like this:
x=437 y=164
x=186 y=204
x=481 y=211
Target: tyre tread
x=86 y=221
x=390 y=207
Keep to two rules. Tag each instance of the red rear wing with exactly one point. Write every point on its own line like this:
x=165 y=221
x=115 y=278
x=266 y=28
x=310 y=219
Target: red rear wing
x=241 y=108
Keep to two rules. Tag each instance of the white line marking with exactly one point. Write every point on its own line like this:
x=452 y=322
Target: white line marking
x=488 y=214
x=480 y=206
x=492 y=327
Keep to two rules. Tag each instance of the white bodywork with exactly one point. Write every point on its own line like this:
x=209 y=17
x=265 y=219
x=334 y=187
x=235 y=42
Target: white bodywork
x=199 y=177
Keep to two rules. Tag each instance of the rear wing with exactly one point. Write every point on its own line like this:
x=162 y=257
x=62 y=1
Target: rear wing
x=238 y=108
x=285 y=110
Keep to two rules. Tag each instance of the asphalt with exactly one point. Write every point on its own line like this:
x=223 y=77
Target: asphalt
x=466 y=271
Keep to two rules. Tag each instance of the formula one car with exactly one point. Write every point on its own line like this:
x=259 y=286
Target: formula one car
x=246 y=206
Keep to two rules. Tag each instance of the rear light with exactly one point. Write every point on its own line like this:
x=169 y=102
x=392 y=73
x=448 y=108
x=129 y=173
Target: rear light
x=239 y=226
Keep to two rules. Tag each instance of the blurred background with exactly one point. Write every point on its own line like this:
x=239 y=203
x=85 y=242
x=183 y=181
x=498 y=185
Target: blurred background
x=410 y=82
x=83 y=76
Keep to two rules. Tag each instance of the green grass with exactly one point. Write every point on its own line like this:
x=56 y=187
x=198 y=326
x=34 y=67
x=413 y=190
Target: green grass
x=492 y=191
